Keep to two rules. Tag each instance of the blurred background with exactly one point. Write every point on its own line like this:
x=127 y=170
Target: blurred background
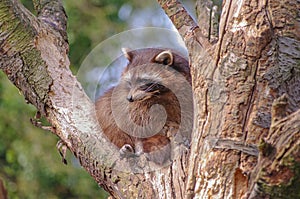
x=30 y=165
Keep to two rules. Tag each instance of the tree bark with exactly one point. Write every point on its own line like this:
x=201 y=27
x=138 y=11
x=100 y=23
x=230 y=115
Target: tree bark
x=246 y=84
x=254 y=62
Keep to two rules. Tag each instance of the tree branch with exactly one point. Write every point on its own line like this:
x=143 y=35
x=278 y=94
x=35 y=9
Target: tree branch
x=18 y=54
x=53 y=13
x=277 y=171
x=34 y=57
x=184 y=23
x=252 y=65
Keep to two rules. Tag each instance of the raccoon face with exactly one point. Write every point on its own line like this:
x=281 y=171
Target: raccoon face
x=144 y=89
x=143 y=82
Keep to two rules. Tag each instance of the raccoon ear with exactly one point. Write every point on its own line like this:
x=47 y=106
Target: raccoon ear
x=165 y=57
x=127 y=53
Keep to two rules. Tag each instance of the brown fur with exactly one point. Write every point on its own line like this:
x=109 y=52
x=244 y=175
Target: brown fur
x=131 y=122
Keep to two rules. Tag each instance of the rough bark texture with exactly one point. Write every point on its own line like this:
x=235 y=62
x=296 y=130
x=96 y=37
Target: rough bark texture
x=255 y=61
x=246 y=83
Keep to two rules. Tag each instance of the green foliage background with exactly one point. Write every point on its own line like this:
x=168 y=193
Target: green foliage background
x=30 y=165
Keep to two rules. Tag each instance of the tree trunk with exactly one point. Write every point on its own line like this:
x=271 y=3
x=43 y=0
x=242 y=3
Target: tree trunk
x=246 y=81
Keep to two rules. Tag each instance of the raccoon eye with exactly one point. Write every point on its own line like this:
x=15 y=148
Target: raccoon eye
x=150 y=87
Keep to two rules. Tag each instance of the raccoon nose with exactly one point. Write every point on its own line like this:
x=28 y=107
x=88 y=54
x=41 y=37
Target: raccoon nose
x=129 y=98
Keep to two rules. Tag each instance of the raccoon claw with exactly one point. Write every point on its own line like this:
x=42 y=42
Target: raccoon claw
x=62 y=149
x=126 y=151
x=35 y=121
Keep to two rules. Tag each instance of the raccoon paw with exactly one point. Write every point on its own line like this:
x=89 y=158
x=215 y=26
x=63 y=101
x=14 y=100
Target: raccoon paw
x=126 y=151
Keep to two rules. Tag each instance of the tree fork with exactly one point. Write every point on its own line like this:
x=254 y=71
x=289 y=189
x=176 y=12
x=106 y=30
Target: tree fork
x=237 y=76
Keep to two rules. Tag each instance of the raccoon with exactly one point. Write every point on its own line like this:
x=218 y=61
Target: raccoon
x=149 y=106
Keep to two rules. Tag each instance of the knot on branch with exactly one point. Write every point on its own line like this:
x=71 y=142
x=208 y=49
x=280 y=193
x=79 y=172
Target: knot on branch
x=266 y=149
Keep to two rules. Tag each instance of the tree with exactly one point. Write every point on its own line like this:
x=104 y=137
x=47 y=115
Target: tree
x=245 y=73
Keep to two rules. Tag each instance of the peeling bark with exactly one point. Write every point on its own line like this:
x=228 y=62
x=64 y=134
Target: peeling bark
x=240 y=92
